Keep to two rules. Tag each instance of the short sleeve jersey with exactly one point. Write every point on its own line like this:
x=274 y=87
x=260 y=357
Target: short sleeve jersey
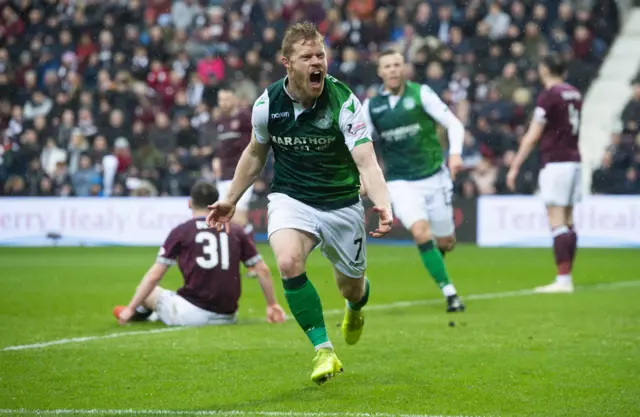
x=210 y=263
x=559 y=108
x=312 y=147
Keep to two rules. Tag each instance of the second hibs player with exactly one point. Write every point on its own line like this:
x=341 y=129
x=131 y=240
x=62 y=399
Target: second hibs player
x=405 y=115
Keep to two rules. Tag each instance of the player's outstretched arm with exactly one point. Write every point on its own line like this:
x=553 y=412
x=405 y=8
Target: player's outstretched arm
x=275 y=313
x=249 y=167
x=147 y=285
x=374 y=182
x=355 y=125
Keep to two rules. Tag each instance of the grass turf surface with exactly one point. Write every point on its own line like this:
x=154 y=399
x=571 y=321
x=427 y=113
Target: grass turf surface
x=519 y=355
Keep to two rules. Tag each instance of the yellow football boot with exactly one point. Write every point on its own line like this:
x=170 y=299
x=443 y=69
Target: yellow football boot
x=352 y=326
x=326 y=365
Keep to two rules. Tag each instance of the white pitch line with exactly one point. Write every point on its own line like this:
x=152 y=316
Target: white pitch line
x=234 y=413
x=333 y=312
x=90 y=338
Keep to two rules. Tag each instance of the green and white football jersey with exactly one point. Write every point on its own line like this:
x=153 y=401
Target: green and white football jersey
x=312 y=147
x=406 y=127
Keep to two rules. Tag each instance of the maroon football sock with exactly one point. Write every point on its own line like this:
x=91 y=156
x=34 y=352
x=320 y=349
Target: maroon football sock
x=563 y=249
x=574 y=243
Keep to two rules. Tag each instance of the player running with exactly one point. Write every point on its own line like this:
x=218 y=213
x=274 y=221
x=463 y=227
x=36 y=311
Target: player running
x=315 y=127
x=210 y=264
x=404 y=114
x=556 y=123
x=234 y=134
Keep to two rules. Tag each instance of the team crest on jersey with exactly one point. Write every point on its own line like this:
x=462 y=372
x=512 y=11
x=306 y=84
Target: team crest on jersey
x=235 y=124
x=324 y=119
x=409 y=103
x=220 y=128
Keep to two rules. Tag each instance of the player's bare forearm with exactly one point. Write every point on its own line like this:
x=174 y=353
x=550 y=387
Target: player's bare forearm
x=527 y=144
x=371 y=175
x=148 y=283
x=264 y=278
x=249 y=167
x=375 y=186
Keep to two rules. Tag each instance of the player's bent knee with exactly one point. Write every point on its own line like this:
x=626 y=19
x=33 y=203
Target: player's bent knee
x=447 y=243
x=151 y=302
x=421 y=232
x=290 y=265
x=352 y=289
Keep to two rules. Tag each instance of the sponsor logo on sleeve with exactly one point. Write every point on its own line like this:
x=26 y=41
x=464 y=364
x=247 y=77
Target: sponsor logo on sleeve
x=355 y=128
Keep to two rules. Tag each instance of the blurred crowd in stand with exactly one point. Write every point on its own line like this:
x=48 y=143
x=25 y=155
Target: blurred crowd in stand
x=117 y=98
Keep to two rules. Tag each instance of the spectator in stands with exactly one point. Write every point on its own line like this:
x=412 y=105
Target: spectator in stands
x=74 y=81
x=631 y=113
x=497 y=20
x=631 y=184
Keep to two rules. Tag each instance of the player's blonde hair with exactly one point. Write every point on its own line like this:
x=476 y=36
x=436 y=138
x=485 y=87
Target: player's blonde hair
x=303 y=31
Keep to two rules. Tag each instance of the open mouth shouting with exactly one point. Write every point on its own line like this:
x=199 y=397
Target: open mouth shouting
x=315 y=80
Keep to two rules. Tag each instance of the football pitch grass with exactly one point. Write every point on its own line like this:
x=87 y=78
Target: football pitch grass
x=512 y=353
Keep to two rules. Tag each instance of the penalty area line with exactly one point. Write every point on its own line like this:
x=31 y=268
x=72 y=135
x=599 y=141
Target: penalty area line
x=235 y=413
x=334 y=312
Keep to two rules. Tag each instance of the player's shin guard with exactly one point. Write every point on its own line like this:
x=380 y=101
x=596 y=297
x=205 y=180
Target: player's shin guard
x=306 y=307
x=564 y=250
x=433 y=261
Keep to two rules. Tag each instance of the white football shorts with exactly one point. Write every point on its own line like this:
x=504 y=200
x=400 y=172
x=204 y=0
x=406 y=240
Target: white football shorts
x=341 y=232
x=426 y=199
x=560 y=184
x=174 y=310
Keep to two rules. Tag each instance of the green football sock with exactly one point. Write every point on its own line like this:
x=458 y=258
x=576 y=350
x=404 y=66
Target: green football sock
x=363 y=301
x=432 y=260
x=305 y=305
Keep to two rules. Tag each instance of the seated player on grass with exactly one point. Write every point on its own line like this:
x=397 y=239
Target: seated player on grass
x=210 y=264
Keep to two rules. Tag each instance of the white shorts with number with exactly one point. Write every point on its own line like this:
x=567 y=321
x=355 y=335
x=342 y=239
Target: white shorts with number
x=560 y=183
x=243 y=203
x=426 y=199
x=174 y=310
x=341 y=233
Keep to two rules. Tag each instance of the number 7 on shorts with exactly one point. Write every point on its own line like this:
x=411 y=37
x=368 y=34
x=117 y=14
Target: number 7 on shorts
x=359 y=243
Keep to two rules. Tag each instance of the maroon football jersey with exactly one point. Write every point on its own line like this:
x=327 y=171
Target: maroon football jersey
x=210 y=263
x=234 y=134
x=559 y=107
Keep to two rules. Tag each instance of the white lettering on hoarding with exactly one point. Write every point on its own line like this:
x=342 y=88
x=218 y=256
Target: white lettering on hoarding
x=601 y=221
x=90 y=221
